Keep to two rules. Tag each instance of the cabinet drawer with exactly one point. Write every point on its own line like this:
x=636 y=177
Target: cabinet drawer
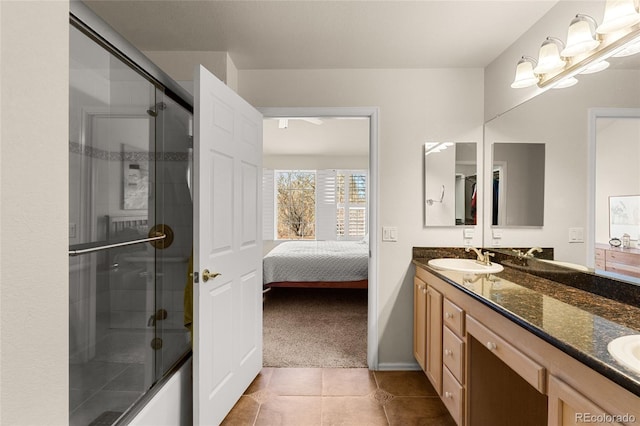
x=600 y=254
x=453 y=317
x=453 y=353
x=600 y=264
x=453 y=396
x=630 y=259
x=622 y=268
x=524 y=366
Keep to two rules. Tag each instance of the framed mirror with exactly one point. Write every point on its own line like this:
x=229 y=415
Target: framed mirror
x=450 y=183
x=517 y=184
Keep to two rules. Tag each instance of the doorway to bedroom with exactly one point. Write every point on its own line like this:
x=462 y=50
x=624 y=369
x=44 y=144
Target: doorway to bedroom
x=319 y=188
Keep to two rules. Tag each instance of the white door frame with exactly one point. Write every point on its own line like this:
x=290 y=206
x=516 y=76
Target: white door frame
x=594 y=114
x=372 y=114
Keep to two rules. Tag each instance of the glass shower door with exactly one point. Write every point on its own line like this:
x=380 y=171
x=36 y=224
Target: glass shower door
x=114 y=114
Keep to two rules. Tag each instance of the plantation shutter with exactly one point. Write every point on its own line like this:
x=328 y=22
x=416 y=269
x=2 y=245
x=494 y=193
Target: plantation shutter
x=325 y=205
x=357 y=201
x=268 y=204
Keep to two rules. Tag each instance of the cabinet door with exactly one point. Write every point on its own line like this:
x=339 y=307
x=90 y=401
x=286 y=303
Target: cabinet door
x=434 y=338
x=567 y=407
x=420 y=322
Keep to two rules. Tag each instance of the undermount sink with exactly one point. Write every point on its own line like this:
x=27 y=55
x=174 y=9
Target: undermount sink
x=626 y=350
x=464 y=265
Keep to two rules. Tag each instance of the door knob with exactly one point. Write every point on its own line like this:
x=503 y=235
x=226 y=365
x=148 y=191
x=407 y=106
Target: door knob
x=207 y=275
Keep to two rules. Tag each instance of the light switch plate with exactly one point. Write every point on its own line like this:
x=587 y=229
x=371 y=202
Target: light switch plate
x=576 y=235
x=496 y=233
x=468 y=233
x=389 y=233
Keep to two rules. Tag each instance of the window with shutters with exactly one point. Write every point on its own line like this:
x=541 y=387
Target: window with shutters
x=306 y=204
x=351 y=204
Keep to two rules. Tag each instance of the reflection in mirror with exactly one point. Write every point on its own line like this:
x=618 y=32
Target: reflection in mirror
x=450 y=183
x=517 y=182
x=560 y=118
x=617 y=190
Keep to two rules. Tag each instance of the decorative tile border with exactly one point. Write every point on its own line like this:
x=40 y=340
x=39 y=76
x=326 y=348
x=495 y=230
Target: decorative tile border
x=101 y=154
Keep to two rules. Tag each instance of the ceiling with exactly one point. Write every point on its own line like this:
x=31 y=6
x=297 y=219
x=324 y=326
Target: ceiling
x=317 y=34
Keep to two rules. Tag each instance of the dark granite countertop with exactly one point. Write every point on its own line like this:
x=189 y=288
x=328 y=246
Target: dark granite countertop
x=576 y=321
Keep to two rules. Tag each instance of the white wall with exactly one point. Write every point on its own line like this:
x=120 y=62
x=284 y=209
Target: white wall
x=181 y=65
x=315 y=162
x=415 y=106
x=34 y=83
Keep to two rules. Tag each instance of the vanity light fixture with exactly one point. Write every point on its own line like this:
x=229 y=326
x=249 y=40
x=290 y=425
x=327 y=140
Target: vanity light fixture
x=628 y=50
x=618 y=15
x=565 y=82
x=581 y=37
x=524 y=73
x=549 y=59
x=597 y=67
x=588 y=47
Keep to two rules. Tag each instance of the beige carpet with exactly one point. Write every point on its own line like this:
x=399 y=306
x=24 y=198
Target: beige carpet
x=320 y=328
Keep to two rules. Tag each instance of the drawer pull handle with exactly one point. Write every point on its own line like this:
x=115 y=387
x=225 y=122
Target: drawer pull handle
x=491 y=346
x=448 y=352
x=448 y=395
x=449 y=315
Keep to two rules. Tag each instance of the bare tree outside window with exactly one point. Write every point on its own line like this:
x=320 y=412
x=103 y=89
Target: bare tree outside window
x=296 y=192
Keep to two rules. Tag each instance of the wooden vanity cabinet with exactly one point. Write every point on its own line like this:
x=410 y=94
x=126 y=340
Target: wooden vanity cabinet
x=427 y=331
x=568 y=407
x=434 y=338
x=478 y=359
x=453 y=360
x=420 y=322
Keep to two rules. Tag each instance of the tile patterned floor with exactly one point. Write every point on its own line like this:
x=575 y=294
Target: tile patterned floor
x=341 y=396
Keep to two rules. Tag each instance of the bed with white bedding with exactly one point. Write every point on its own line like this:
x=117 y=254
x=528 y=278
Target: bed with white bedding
x=333 y=264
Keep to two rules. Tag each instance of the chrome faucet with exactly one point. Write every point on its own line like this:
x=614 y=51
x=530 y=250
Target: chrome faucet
x=533 y=250
x=482 y=258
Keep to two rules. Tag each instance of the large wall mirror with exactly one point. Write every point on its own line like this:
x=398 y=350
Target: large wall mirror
x=591 y=141
x=450 y=183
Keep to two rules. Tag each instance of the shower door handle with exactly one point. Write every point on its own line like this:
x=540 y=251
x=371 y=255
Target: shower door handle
x=207 y=275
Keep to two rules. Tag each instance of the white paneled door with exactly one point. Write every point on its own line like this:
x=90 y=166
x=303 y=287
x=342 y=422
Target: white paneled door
x=227 y=259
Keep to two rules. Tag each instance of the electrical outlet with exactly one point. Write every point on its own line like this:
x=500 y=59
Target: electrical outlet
x=72 y=230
